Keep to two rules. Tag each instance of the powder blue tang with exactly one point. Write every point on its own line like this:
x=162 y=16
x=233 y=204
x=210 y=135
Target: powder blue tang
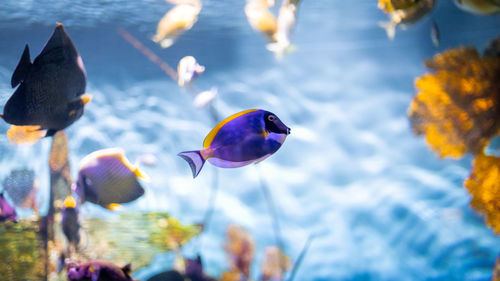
x=246 y=137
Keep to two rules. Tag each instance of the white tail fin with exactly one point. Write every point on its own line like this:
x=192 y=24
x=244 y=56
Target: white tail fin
x=194 y=159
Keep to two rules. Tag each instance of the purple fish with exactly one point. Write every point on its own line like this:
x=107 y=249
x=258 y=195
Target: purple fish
x=6 y=211
x=435 y=36
x=241 y=139
x=98 y=270
x=107 y=178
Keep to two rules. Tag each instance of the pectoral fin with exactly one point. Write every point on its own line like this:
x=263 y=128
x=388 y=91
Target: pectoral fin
x=22 y=68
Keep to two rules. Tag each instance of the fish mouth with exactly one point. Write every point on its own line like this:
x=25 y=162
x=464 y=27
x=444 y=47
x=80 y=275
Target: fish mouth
x=288 y=130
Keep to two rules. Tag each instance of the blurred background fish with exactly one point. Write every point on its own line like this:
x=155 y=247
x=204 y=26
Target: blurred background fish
x=260 y=18
x=188 y=70
x=51 y=89
x=107 y=178
x=205 y=98
x=404 y=13
x=21 y=185
x=176 y=21
x=479 y=7
x=287 y=17
x=7 y=212
x=98 y=270
x=435 y=36
x=243 y=138
x=70 y=222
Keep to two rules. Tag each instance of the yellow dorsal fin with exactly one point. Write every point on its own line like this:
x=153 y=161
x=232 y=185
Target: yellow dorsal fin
x=210 y=137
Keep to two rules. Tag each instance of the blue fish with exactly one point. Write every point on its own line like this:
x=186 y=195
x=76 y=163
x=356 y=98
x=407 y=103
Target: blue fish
x=241 y=139
x=7 y=212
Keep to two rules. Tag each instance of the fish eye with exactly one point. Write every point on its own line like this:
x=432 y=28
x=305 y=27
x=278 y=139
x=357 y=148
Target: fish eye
x=271 y=118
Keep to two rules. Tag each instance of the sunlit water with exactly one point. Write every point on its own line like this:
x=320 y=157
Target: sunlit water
x=384 y=206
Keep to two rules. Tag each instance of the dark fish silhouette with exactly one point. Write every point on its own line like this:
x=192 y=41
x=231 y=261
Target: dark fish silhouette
x=70 y=224
x=51 y=88
x=98 y=271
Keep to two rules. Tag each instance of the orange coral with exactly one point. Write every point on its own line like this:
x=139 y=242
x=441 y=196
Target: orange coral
x=239 y=247
x=275 y=264
x=457 y=107
x=484 y=185
x=496 y=271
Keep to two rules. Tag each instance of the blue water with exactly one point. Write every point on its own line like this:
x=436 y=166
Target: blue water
x=384 y=206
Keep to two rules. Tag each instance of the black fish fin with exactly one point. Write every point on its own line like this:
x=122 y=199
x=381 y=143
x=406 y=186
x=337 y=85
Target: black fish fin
x=50 y=132
x=127 y=269
x=22 y=68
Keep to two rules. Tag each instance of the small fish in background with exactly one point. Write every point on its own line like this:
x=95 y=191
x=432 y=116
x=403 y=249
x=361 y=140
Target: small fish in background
x=286 y=23
x=205 y=98
x=260 y=18
x=51 y=90
x=107 y=178
x=188 y=70
x=7 y=212
x=21 y=186
x=479 y=7
x=70 y=223
x=98 y=270
x=404 y=13
x=176 y=21
x=246 y=137
x=435 y=36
